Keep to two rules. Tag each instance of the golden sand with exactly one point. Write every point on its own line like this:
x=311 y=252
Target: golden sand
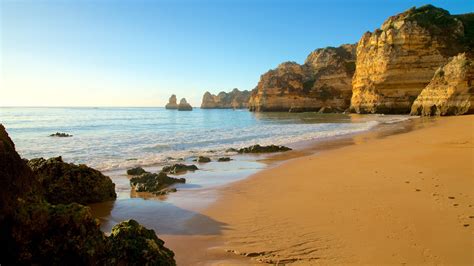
x=406 y=198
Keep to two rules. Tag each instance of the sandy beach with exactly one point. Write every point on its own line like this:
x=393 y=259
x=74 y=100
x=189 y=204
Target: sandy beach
x=405 y=198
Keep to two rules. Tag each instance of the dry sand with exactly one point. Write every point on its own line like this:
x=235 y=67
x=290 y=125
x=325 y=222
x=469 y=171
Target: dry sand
x=406 y=198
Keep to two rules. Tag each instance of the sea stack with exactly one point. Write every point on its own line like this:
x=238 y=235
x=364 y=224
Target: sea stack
x=184 y=106
x=172 y=103
x=235 y=99
x=323 y=81
x=396 y=62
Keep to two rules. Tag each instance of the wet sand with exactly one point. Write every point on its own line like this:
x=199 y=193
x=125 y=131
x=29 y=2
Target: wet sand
x=404 y=198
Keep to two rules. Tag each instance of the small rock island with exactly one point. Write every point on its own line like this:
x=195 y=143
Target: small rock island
x=184 y=105
x=172 y=103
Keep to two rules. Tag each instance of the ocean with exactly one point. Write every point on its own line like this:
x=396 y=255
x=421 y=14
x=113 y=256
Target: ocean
x=119 y=138
x=114 y=139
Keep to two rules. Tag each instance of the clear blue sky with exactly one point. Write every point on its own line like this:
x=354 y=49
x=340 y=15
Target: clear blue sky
x=138 y=52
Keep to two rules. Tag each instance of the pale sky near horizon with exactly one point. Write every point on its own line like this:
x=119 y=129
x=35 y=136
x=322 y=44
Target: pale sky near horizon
x=138 y=53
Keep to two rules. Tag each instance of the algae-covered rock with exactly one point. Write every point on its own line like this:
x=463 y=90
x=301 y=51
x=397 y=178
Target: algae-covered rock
x=264 y=149
x=203 y=159
x=136 y=171
x=61 y=135
x=35 y=232
x=133 y=244
x=179 y=168
x=67 y=183
x=154 y=183
x=48 y=234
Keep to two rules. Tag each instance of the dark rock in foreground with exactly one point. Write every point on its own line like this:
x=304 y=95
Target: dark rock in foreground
x=131 y=242
x=202 y=159
x=65 y=183
x=154 y=183
x=34 y=232
x=264 y=149
x=224 y=159
x=60 y=134
x=136 y=171
x=179 y=168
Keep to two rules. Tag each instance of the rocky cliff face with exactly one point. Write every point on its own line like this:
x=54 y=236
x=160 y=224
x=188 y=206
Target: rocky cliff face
x=235 y=99
x=450 y=91
x=394 y=63
x=323 y=81
x=172 y=103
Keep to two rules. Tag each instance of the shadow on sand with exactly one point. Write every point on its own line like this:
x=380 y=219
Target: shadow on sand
x=163 y=217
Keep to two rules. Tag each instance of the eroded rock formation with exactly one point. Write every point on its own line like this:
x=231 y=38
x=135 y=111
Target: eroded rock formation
x=450 y=91
x=396 y=62
x=324 y=80
x=172 y=103
x=184 y=105
x=235 y=99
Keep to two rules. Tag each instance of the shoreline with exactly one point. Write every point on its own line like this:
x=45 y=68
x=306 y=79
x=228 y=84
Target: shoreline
x=244 y=206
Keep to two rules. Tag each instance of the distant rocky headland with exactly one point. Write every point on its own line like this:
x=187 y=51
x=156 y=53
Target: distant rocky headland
x=423 y=49
x=419 y=62
x=235 y=99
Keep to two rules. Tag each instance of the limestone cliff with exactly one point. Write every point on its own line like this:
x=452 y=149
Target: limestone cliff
x=394 y=63
x=323 y=81
x=235 y=99
x=450 y=91
x=172 y=103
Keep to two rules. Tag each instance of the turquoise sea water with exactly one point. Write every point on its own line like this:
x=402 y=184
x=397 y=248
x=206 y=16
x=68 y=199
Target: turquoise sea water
x=117 y=138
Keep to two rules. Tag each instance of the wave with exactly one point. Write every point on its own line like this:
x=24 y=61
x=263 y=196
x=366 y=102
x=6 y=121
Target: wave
x=274 y=134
